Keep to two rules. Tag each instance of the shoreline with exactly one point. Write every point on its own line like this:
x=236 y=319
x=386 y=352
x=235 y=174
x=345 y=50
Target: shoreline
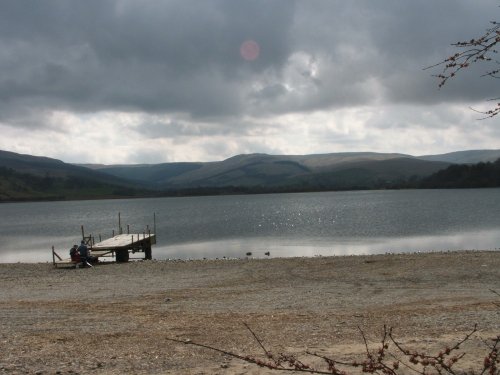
x=223 y=191
x=124 y=314
x=319 y=256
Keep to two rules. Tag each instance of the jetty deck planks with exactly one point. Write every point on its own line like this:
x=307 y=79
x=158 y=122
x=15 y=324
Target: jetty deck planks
x=124 y=241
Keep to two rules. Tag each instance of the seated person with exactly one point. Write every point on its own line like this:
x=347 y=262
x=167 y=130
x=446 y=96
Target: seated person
x=84 y=252
x=75 y=255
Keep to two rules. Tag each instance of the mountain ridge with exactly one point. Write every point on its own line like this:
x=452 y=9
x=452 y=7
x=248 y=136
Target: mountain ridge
x=33 y=177
x=263 y=169
x=465 y=157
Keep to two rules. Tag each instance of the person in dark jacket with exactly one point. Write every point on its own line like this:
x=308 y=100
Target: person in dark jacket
x=85 y=256
x=83 y=250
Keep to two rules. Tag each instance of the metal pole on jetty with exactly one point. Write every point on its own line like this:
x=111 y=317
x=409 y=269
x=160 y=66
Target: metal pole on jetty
x=154 y=223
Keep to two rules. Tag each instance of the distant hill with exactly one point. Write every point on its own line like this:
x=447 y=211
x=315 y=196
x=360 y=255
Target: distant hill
x=465 y=157
x=27 y=177
x=151 y=175
x=338 y=170
x=373 y=174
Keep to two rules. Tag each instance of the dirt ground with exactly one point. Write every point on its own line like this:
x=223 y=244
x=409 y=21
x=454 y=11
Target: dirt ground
x=118 y=318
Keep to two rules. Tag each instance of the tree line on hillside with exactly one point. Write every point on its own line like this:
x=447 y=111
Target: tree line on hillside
x=18 y=186
x=479 y=175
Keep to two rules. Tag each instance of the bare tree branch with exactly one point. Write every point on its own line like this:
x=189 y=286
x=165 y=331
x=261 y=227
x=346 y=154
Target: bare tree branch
x=473 y=51
x=377 y=362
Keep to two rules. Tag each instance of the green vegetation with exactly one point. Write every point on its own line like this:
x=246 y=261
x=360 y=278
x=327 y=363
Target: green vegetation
x=16 y=186
x=479 y=175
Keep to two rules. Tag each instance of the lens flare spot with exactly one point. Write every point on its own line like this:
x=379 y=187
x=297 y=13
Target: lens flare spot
x=250 y=50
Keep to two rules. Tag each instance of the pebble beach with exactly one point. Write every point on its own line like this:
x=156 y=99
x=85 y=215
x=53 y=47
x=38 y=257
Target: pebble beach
x=120 y=318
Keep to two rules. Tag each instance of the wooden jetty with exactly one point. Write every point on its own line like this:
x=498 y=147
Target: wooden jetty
x=118 y=246
x=123 y=244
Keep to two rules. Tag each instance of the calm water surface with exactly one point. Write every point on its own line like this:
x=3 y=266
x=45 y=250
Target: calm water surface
x=309 y=224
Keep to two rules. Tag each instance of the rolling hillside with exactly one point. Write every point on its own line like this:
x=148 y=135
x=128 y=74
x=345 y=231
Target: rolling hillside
x=26 y=177
x=339 y=170
x=152 y=175
x=465 y=157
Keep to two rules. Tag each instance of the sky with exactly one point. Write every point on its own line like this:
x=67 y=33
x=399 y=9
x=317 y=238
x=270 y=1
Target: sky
x=154 y=81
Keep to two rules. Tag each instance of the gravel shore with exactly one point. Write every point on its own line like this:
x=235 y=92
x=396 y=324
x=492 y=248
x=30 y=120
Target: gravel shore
x=117 y=318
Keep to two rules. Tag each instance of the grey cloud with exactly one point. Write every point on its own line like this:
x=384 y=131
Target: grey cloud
x=155 y=128
x=148 y=56
x=182 y=56
x=174 y=129
x=270 y=92
x=391 y=41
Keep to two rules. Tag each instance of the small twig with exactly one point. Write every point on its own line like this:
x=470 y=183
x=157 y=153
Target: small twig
x=492 y=359
x=333 y=361
x=495 y=292
x=266 y=352
x=366 y=343
x=404 y=363
x=272 y=366
x=436 y=360
x=467 y=337
x=231 y=354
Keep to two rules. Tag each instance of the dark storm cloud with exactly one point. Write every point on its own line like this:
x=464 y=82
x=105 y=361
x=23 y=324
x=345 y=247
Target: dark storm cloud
x=147 y=56
x=182 y=56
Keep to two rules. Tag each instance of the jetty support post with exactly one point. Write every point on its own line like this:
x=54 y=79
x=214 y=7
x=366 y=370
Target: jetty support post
x=54 y=255
x=122 y=255
x=147 y=250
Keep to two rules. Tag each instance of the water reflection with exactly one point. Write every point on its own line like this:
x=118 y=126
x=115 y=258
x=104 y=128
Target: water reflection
x=238 y=248
x=37 y=249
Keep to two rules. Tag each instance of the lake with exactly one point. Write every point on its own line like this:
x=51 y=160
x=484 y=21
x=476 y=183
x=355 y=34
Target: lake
x=285 y=225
